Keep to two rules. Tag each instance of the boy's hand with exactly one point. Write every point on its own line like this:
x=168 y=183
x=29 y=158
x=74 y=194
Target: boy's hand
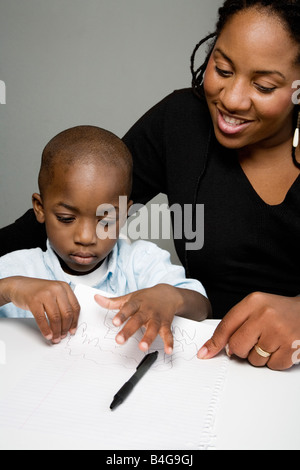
x=52 y=303
x=153 y=308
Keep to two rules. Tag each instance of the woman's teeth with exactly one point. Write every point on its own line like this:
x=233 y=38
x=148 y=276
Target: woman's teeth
x=232 y=121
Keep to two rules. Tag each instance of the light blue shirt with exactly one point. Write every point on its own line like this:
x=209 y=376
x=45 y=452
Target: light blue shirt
x=129 y=268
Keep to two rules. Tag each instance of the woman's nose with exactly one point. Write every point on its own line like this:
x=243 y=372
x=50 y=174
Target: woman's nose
x=235 y=97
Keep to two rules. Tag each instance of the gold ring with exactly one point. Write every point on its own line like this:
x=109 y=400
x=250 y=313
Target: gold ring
x=261 y=352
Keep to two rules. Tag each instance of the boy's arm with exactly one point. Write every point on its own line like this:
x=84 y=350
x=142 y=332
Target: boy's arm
x=195 y=306
x=155 y=267
x=52 y=303
x=4 y=289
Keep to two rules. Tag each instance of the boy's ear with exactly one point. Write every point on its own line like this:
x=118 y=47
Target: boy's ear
x=38 y=208
x=129 y=205
x=124 y=214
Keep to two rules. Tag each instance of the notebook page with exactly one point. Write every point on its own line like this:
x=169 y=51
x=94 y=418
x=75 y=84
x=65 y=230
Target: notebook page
x=174 y=406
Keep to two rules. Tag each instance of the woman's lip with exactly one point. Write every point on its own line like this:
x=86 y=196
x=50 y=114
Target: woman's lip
x=230 y=129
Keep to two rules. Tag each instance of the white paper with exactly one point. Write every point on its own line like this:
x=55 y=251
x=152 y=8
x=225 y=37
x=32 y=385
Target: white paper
x=174 y=405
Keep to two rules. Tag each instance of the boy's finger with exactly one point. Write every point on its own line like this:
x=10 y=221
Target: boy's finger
x=167 y=337
x=127 y=311
x=66 y=312
x=131 y=327
x=41 y=320
x=152 y=330
x=55 y=320
x=76 y=311
x=112 y=304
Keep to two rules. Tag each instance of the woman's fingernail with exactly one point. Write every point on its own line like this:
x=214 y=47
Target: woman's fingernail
x=202 y=353
x=117 y=321
x=227 y=350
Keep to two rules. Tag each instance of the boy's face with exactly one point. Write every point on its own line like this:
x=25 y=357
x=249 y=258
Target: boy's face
x=69 y=210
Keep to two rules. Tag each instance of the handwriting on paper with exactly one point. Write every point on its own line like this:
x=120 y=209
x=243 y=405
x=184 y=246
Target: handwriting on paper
x=97 y=343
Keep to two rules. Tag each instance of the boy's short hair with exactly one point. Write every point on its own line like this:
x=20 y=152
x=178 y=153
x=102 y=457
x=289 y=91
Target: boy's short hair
x=84 y=145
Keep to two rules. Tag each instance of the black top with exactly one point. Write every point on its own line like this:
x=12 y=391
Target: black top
x=248 y=246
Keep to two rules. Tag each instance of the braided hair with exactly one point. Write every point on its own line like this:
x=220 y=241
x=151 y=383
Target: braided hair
x=286 y=10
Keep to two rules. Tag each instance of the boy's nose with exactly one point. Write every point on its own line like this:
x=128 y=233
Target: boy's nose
x=85 y=234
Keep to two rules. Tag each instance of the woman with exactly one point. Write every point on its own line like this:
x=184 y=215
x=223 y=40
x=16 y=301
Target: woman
x=230 y=143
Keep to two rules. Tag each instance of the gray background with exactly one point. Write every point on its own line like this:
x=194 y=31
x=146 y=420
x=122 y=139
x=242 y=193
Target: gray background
x=99 y=62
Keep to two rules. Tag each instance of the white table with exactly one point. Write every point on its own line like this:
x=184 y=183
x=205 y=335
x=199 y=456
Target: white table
x=260 y=409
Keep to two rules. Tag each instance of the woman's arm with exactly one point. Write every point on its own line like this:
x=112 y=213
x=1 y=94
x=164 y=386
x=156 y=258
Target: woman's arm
x=25 y=233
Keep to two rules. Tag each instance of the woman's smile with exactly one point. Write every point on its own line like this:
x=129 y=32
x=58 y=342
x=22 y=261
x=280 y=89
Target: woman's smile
x=231 y=125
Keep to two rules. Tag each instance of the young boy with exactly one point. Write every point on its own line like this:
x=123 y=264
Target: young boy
x=82 y=169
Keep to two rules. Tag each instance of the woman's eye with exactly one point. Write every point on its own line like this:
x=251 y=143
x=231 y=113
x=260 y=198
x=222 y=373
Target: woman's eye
x=227 y=73
x=264 y=89
x=223 y=73
x=65 y=220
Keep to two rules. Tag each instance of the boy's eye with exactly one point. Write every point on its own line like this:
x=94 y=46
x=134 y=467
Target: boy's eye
x=64 y=219
x=107 y=222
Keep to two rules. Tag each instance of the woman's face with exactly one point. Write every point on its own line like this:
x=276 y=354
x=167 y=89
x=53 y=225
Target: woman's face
x=249 y=79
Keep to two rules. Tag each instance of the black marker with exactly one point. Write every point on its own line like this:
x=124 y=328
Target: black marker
x=127 y=388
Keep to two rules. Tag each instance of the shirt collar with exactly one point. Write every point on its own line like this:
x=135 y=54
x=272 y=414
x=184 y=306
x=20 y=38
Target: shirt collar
x=53 y=263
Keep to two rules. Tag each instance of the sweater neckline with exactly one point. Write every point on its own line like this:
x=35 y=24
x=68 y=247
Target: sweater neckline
x=257 y=197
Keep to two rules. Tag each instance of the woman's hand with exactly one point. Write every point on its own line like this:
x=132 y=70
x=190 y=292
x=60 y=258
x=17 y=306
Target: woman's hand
x=155 y=309
x=52 y=303
x=270 y=321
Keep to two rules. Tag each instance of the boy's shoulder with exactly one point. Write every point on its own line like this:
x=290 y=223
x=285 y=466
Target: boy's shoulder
x=140 y=254
x=21 y=254
x=22 y=262
x=139 y=247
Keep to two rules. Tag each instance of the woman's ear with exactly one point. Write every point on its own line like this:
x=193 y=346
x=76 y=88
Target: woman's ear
x=38 y=208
